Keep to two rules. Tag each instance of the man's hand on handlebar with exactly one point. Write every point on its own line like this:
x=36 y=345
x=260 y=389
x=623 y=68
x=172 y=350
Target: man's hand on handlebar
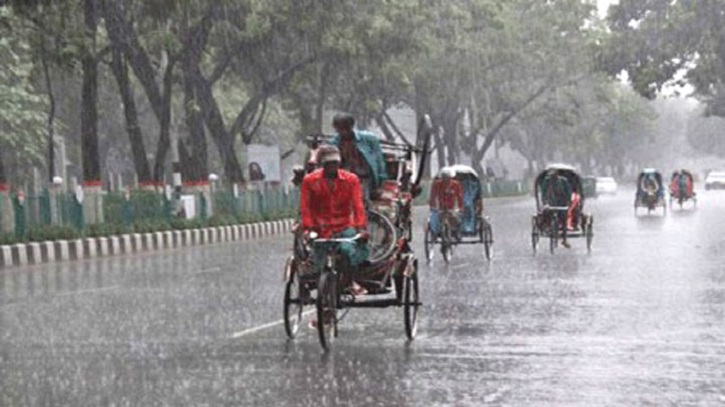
x=363 y=234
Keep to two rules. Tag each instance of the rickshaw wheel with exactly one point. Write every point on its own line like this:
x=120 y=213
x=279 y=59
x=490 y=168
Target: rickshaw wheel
x=428 y=244
x=590 y=233
x=534 y=234
x=411 y=302
x=292 y=301
x=326 y=306
x=553 y=234
x=446 y=243
x=487 y=239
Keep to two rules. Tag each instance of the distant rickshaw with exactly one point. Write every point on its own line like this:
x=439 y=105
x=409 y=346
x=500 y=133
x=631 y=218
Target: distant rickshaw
x=650 y=192
x=682 y=188
x=560 y=216
x=473 y=227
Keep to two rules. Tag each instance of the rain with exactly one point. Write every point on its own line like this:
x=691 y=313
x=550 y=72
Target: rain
x=362 y=203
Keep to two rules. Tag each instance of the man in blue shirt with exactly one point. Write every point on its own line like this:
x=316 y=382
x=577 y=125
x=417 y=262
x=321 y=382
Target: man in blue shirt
x=361 y=153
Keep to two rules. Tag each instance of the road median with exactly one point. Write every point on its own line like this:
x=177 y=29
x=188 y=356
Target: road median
x=24 y=254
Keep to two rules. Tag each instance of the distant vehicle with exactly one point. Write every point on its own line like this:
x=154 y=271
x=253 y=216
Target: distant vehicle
x=606 y=186
x=715 y=180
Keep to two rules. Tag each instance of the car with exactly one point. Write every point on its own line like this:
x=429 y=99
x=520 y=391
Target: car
x=715 y=180
x=606 y=186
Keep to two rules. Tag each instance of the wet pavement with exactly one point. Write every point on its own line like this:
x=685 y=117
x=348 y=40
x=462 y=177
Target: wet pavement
x=639 y=321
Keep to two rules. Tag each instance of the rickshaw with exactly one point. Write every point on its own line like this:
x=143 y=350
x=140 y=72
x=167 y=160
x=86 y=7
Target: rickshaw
x=473 y=226
x=650 y=192
x=389 y=276
x=682 y=188
x=552 y=219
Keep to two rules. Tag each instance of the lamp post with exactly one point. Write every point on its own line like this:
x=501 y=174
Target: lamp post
x=213 y=178
x=55 y=187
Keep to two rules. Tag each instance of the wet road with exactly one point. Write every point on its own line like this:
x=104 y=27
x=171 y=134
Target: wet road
x=640 y=321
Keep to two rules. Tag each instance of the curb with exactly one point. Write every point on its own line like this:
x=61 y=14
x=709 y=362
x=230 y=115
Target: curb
x=62 y=250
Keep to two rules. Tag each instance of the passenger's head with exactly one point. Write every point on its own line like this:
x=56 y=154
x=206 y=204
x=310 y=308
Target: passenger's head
x=344 y=123
x=329 y=158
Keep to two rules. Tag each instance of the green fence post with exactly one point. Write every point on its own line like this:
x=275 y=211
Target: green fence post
x=168 y=209
x=202 y=206
x=126 y=212
x=77 y=210
x=262 y=206
x=20 y=217
x=45 y=211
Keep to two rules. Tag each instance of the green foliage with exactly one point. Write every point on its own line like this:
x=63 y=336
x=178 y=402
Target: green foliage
x=185 y=224
x=22 y=106
x=44 y=233
x=106 y=229
x=151 y=226
x=654 y=40
x=222 y=220
x=7 y=239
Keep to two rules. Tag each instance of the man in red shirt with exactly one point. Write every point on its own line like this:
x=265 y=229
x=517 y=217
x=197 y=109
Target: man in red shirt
x=332 y=205
x=446 y=194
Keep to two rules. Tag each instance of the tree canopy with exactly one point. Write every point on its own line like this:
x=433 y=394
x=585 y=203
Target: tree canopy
x=127 y=76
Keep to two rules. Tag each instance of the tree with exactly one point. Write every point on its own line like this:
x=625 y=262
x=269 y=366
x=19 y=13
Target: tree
x=21 y=105
x=656 y=40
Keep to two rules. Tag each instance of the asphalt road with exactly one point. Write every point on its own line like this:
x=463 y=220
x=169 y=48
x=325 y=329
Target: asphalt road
x=639 y=321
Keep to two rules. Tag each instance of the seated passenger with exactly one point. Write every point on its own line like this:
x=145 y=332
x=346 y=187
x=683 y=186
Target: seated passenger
x=361 y=154
x=472 y=204
x=557 y=193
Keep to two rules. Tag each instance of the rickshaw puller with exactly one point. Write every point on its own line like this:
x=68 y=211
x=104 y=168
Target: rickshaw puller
x=332 y=206
x=446 y=194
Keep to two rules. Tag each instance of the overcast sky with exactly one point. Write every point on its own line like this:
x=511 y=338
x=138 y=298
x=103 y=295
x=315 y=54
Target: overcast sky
x=603 y=5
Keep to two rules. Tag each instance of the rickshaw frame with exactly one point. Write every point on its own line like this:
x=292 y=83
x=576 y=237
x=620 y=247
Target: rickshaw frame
x=680 y=199
x=646 y=201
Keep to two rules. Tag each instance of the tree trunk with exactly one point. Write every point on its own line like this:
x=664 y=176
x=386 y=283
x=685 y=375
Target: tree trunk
x=162 y=148
x=89 y=97
x=440 y=149
x=321 y=98
x=122 y=35
x=51 y=111
x=450 y=130
x=193 y=154
x=119 y=68
x=215 y=123
x=3 y=175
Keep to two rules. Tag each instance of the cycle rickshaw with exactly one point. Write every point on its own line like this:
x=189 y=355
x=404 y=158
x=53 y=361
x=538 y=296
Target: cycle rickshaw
x=473 y=227
x=389 y=276
x=682 y=188
x=552 y=220
x=650 y=192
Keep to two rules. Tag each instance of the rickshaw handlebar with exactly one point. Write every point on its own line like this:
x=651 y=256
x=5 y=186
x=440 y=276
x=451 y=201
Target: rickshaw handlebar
x=556 y=208
x=338 y=239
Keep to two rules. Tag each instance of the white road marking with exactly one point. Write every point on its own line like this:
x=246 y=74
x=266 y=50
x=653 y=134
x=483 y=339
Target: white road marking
x=88 y=291
x=208 y=270
x=265 y=326
x=460 y=266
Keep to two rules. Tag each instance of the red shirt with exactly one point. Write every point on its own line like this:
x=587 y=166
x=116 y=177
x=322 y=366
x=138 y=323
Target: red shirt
x=330 y=209
x=445 y=195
